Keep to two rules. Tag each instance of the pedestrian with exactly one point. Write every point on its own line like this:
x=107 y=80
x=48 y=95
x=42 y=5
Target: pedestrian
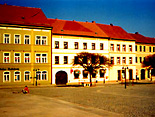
x=25 y=90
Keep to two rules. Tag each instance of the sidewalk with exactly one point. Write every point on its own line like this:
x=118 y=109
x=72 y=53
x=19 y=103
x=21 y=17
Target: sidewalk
x=25 y=105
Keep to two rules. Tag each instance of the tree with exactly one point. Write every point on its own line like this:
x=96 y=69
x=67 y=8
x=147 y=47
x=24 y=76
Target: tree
x=150 y=63
x=91 y=62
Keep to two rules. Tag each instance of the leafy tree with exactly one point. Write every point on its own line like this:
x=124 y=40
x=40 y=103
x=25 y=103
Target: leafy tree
x=91 y=62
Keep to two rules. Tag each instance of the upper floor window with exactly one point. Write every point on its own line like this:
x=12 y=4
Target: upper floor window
x=93 y=46
x=6 y=76
x=17 y=76
x=149 y=49
x=76 y=45
x=153 y=49
x=65 y=45
x=136 y=48
x=124 y=48
x=65 y=59
x=136 y=60
x=112 y=47
x=118 y=47
x=112 y=60
x=44 y=58
x=27 y=57
x=118 y=60
x=84 y=46
x=56 y=59
x=17 y=58
x=124 y=60
x=140 y=59
x=6 y=38
x=130 y=48
x=38 y=40
x=144 y=49
x=130 y=60
x=17 y=39
x=56 y=44
x=140 y=48
x=27 y=75
x=38 y=58
x=26 y=39
x=41 y=58
x=6 y=57
x=101 y=46
x=44 y=40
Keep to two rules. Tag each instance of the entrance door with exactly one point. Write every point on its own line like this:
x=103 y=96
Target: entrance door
x=119 y=75
x=61 y=77
x=143 y=74
x=130 y=74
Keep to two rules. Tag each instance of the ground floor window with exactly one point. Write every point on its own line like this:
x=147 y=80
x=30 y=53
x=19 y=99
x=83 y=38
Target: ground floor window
x=76 y=74
x=17 y=76
x=94 y=74
x=6 y=76
x=102 y=72
x=41 y=75
x=85 y=74
x=27 y=75
x=44 y=75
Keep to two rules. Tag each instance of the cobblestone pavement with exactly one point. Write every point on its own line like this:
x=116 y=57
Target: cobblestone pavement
x=137 y=100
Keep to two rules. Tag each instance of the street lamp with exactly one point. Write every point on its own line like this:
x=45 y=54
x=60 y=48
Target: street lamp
x=36 y=74
x=125 y=74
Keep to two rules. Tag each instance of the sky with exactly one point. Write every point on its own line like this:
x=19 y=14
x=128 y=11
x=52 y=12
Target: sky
x=132 y=15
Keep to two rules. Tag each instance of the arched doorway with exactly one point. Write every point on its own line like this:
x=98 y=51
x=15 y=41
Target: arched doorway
x=61 y=77
x=143 y=74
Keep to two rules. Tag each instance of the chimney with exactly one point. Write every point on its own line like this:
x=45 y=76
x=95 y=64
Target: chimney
x=136 y=33
x=111 y=24
x=93 y=21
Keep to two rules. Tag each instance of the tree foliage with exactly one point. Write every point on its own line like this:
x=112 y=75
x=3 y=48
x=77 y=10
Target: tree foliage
x=149 y=61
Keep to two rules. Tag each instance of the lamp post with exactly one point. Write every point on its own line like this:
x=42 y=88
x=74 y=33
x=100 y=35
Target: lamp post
x=125 y=74
x=36 y=75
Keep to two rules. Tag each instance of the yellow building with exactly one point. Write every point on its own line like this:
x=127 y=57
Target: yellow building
x=25 y=46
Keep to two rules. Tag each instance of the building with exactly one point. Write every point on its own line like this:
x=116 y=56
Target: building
x=25 y=46
x=35 y=47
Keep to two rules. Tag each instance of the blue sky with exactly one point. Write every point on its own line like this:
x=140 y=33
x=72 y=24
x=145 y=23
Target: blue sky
x=132 y=15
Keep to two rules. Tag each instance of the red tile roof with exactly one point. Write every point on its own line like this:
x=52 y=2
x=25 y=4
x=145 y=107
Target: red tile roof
x=142 y=39
x=22 y=15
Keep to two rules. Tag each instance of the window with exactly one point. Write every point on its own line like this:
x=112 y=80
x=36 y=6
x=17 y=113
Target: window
x=85 y=74
x=26 y=39
x=136 y=48
x=56 y=44
x=41 y=58
x=27 y=76
x=124 y=48
x=17 y=76
x=76 y=45
x=27 y=57
x=44 y=58
x=118 y=60
x=112 y=60
x=130 y=60
x=136 y=60
x=56 y=59
x=149 y=49
x=38 y=40
x=65 y=59
x=140 y=48
x=93 y=46
x=144 y=49
x=6 y=76
x=84 y=46
x=44 y=40
x=140 y=59
x=130 y=48
x=65 y=45
x=94 y=74
x=38 y=75
x=102 y=72
x=17 y=58
x=17 y=39
x=76 y=60
x=101 y=46
x=153 y=49
x=124 y=60
x=6 y=57
x=112 y=47
x=44 y=75
x=76 y=74
x=118 y=47
x=6 y=38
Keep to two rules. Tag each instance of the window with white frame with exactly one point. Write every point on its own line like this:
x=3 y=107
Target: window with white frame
x=6 y=76
x=56 y=44
x=6 y=57
x=38 y=58
x=44 y=58
x=38 y=75
x=118 y=47
x=124 y=60
x=44 y=75
x=112 y=47
x=27 y=39
x=44 y=40
x=27 y=57
x=130 y=60
x=124 y=48
x=84 y=46
x=93 y=46
x=65 y=45
x=38 y=40
x=130 y=48
x=27 y=76
x=17 y=76
x=65 y=59
x=6 y=38
x=101 y=46
x=17 y=58
x=118 y=60
x=17 y=39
